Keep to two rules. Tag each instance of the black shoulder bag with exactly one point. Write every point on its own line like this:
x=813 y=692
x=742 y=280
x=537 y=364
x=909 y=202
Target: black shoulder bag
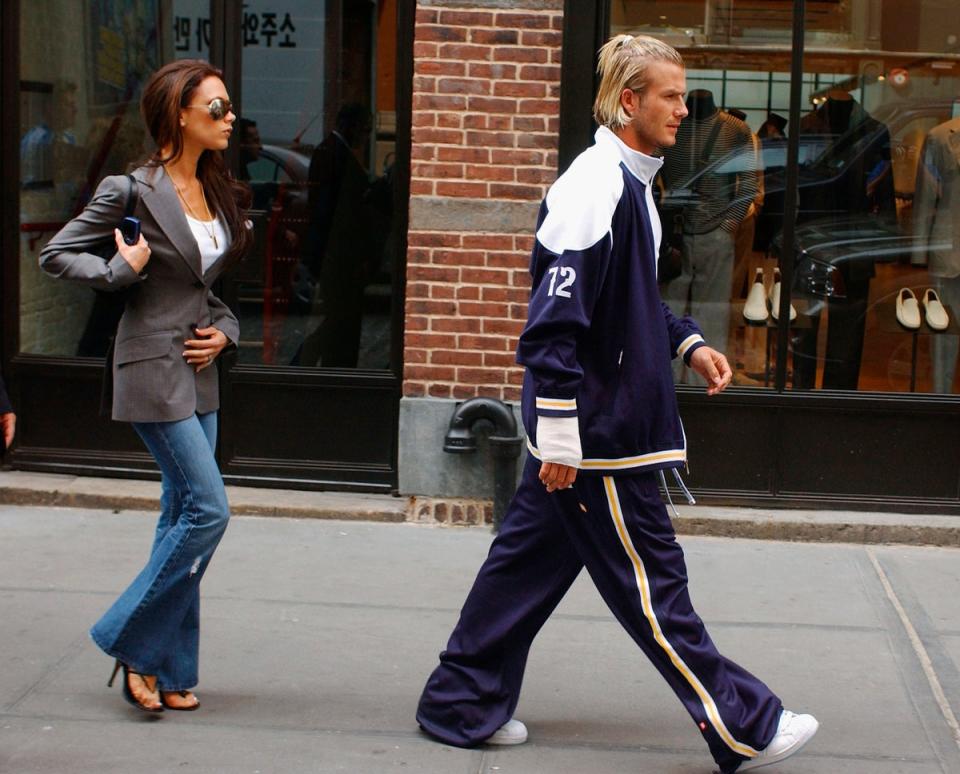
x=669 y=260
x=107 y=309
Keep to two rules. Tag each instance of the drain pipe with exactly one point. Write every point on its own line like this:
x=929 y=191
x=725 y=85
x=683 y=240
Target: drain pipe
x=505 y=444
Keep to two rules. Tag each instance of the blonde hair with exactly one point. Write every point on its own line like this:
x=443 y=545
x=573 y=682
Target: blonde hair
x=623 y=65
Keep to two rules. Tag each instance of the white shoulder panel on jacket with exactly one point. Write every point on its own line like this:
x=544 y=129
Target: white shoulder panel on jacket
x=581 y=203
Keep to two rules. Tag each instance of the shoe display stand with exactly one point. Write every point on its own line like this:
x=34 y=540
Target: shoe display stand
x=801 y=321
x=887 y=322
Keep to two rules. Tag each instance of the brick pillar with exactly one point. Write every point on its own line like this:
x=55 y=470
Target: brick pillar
x=485 y=122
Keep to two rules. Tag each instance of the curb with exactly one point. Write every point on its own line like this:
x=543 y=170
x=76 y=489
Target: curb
x=60 y=499
x=755 y=524
x=782 y=528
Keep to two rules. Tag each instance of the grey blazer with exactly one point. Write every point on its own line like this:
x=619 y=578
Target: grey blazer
x=936 y=200
x=152 y=380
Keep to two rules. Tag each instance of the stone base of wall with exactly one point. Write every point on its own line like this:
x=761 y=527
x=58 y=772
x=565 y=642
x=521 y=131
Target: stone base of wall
x=427 y=470
x=456 y=513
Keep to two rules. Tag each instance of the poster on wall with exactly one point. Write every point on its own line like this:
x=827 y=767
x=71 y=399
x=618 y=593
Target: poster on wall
x=282 y=66
x=125 y=45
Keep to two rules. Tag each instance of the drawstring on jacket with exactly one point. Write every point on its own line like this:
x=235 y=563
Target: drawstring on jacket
x=683 y=488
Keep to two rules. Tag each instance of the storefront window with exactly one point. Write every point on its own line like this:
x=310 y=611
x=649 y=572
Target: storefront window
x=877 y=229
x=82 y=69
x=317 y=135
x=877 y=247
x=722 y=183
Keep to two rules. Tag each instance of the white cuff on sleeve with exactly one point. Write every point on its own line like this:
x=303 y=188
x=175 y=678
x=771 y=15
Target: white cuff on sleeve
x=558 y=440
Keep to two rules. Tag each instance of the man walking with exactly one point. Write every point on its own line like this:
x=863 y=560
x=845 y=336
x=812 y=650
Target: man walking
x=601 y=418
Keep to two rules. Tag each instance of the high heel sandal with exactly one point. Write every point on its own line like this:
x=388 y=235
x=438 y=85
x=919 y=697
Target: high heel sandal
x=182 y=695
x=127 y=693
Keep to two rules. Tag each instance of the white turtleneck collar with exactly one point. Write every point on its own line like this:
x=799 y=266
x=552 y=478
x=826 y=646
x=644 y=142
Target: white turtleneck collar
x=642 y=166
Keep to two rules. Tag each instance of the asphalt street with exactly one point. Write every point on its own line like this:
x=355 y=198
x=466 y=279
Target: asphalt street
x=318 y=636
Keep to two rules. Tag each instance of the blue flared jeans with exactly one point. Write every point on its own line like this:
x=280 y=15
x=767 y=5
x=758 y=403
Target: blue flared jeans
x=154 y=626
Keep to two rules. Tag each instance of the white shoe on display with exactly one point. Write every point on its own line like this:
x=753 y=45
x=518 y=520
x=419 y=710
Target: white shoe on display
x=511 y=732
x=935 y=314
x=775 y=299
x=793 y=732
x=908 y=310
x=755 y=308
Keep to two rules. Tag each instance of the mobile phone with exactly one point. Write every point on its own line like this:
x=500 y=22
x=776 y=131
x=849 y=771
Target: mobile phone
x=130 y=230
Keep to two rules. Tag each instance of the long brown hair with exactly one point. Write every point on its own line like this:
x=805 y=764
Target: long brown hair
x=168 y=91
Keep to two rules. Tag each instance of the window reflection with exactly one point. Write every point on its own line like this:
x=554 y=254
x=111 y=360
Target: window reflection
x=879 y=161
x=79 y=122
x=862 y=250
x=317 y=149
x=721 y=200
x=936 y=219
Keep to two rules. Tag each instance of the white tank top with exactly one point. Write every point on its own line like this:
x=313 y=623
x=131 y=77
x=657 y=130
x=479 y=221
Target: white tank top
x=209 y=252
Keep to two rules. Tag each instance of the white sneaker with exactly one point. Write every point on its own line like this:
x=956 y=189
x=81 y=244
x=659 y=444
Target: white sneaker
x=775 y=299
x=755 y=308
x=793 y=732
x=511 y=732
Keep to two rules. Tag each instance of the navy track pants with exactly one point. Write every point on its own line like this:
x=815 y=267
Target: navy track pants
x=618 y=528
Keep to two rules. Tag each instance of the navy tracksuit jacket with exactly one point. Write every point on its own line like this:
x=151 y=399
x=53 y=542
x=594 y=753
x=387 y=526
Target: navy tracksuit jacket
x=599 y=341
x=598 y=393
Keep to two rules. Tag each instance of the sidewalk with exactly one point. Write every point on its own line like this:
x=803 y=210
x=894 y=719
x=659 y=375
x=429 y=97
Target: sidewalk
x=22 y=488
x=319 y=634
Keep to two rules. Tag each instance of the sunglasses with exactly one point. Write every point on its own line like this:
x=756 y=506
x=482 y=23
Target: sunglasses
x=218 y=108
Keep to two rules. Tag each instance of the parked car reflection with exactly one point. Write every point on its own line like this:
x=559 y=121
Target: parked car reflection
x=826 y=253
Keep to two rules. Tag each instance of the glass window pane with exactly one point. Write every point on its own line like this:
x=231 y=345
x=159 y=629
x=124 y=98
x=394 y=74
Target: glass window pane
x=877 y=218
x=318 y=289
x=878 y=226
x=82 y=68
x=728 y=186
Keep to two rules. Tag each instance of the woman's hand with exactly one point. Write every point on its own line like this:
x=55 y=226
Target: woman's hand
x=203 y=350
x=136 y=255
x=8 y=424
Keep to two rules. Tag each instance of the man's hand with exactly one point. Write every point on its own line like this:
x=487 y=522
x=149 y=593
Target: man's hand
x=8 y=422
x=556 y=476
x=203 y=350
x=713 y=367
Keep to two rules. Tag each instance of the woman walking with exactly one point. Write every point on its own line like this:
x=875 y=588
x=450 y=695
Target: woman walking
x=193 y=226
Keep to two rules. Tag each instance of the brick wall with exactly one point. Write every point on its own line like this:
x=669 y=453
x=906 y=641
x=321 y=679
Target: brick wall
x=485 y=125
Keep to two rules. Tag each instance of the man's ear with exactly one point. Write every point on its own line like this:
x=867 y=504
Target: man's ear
x=629 y=101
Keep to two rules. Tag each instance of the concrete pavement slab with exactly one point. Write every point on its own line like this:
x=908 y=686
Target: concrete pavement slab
x=39 y=746
x=318 y=636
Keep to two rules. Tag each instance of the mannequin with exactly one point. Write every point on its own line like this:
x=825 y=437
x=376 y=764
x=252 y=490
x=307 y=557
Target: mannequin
x=837 y=110
x=852 y=177
x=936 y=222
x=701 y=105
x=722 y=201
